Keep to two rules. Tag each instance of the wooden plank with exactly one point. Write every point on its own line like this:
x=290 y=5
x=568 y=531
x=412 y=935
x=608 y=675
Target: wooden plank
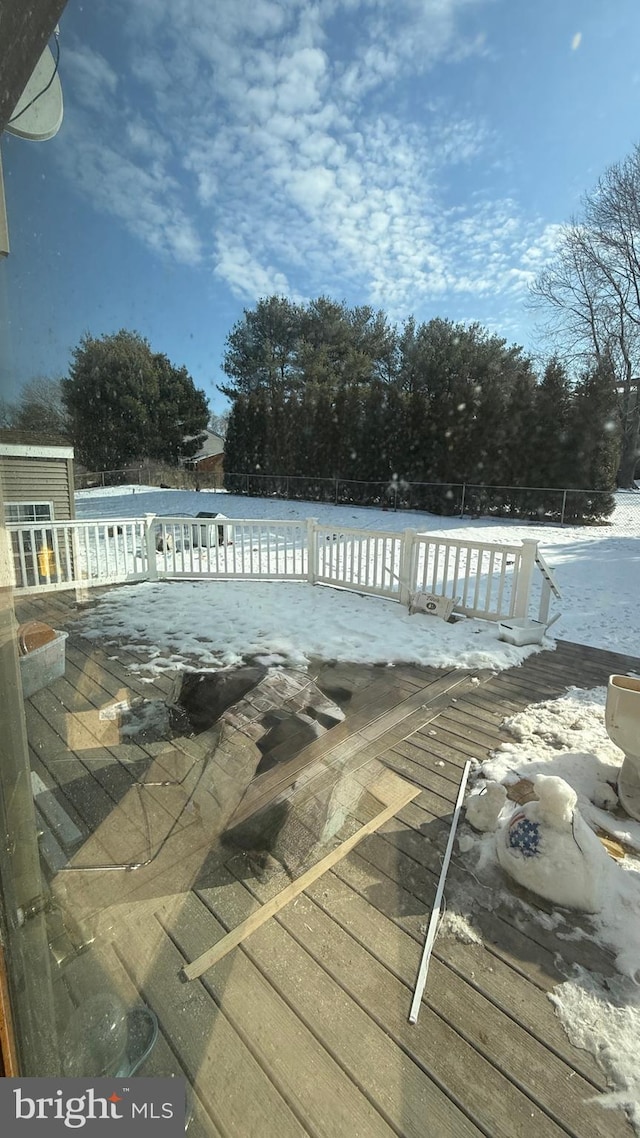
x=442 y=779
x=504 y=986
x=436 y=695
x=321 y=1094
x=89 y=799
x=415 y=863
x=470 y=1080
x=100 y=667
x=103 y=967
x=551 y=1087
x=62 y=825
x=233 y=1087
x=396 y=796
x=399 y=1089
x=425 y=778
x=457 y=721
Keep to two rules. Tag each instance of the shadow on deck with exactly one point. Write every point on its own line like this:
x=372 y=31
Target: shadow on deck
x=303 y=1028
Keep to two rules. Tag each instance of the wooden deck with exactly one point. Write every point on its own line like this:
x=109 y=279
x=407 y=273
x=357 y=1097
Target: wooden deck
x=304 y=1028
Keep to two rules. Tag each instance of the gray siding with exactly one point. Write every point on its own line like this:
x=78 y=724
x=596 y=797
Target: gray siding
x=39 y=480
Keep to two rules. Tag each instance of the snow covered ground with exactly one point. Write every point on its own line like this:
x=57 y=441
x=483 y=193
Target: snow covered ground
x=597 y=569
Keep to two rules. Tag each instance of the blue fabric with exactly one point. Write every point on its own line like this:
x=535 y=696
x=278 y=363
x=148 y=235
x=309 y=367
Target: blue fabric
x=524 y=836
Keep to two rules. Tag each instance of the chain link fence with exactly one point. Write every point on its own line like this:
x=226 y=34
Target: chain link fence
x=455 y=499
x=451 y=499
x=151 y=474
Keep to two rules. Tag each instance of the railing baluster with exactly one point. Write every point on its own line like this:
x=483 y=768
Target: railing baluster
x=487 y=600
x=479 y=563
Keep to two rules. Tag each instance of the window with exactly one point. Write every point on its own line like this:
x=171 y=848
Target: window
x=28 y=512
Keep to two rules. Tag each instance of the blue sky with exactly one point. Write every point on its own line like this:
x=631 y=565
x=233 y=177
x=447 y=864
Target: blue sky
x=417 y=155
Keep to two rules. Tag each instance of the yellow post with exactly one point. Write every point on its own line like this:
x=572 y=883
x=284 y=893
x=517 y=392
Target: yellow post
x=46 y=562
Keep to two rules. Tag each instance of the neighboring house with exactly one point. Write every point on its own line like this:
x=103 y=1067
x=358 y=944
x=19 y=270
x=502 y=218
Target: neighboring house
x=36 y=477
x=210 y=457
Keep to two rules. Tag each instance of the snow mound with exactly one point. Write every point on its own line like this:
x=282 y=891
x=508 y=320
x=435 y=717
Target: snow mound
x=547 y=846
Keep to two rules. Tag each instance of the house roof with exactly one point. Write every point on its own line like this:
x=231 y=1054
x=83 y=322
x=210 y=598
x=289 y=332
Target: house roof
x=213 y=444
x=30 y=444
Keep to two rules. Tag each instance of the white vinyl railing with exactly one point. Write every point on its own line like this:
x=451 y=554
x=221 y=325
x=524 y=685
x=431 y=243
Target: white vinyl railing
x=61 y=555
x=483 y=579
x=261 y=550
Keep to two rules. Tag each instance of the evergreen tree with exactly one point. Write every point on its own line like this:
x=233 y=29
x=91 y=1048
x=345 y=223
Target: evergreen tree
x=262 y=348
x=179 y=415
x=519 y=445
x=236 y=446
x=125 y=403
x=553 y=466
x=373 y=461
x=595 y=443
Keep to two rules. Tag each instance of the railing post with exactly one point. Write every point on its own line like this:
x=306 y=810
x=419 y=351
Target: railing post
x=524 y=576
x=406 y=565
x=152 y=563
x=545 y=600
x=564 y=506
x=312 y=550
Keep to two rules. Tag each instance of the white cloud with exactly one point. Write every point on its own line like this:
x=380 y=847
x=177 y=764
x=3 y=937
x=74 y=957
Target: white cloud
x=246 y=277
x=93 y=80
x=147 y=201
x=259 y=146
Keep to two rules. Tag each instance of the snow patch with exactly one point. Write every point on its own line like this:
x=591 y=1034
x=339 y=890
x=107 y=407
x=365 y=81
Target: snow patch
x=602 y=1016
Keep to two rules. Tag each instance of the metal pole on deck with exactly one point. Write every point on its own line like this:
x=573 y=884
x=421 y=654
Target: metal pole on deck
x=435 y=913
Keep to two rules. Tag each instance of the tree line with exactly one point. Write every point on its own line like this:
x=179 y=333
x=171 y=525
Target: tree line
x=324 y=391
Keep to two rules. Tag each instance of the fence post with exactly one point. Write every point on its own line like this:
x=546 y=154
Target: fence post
x=524 y=576
x=564 y=506
x=464 y=491
x=312 y=550
x=406 y=565
x=336 y=494
x=152 y=564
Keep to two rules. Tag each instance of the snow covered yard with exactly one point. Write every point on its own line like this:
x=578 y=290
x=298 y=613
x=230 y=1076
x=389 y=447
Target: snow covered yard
x=596 y=566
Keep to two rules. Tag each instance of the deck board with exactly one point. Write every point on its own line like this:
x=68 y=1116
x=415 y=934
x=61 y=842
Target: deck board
x=303 y=1029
